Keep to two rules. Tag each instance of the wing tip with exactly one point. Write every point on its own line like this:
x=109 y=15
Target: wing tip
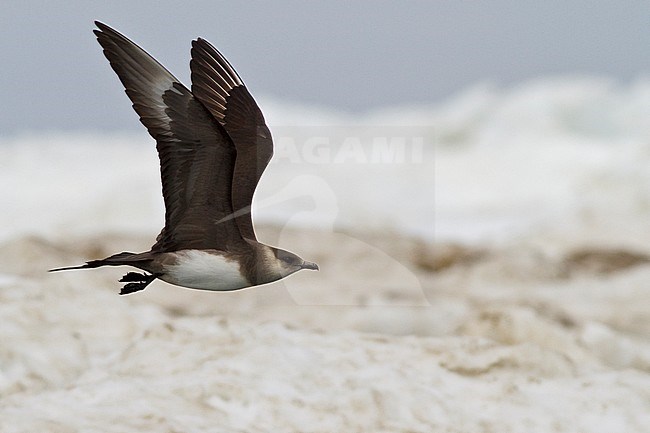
x=103 y=28
x=200 y=41
x=104 y=32
x=109 y=32
x=205 y=51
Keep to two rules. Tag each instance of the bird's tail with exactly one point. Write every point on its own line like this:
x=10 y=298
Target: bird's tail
x=114 y=260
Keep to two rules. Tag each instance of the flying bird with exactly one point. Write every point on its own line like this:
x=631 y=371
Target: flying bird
x=213 y=145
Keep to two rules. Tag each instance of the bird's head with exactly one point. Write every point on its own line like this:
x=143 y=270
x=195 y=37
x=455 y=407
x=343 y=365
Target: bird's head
x=287 y=263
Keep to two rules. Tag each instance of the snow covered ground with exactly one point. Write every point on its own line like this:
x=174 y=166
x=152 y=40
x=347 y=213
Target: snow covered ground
x=484 y=267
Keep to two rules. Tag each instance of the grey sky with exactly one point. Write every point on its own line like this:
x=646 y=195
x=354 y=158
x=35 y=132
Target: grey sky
x=349 y=55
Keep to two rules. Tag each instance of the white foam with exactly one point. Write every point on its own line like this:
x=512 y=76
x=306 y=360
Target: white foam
x=488 y=163
x=504 y=344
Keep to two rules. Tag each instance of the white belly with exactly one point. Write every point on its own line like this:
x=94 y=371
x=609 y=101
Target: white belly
x=207 y=271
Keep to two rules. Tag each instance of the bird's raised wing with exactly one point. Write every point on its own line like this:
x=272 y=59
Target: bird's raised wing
x=216 y=84
x=196 y=154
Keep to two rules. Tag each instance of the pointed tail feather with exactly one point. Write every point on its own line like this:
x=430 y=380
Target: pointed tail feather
x=114 y=260
x=87 y=265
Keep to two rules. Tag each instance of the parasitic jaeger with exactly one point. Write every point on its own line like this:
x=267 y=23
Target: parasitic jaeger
x=213 y=145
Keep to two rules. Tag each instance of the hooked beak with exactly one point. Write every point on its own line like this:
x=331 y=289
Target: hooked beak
x=309 y=265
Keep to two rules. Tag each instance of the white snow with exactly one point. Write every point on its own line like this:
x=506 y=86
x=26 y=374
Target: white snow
x=484 y=267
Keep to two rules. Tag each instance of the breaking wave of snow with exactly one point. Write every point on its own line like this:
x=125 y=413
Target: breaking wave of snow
x=484 y=267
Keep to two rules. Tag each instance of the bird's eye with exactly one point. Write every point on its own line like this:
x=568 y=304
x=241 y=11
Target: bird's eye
x=287 y=260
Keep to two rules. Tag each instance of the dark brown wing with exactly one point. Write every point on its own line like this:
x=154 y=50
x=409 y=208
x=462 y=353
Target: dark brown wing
x=196 y=155
x=216 y=84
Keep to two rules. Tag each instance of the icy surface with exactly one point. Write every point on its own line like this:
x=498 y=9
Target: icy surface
x=489 y=272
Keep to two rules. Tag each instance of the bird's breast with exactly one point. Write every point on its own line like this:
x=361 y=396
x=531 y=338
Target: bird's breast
x=205 y=270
